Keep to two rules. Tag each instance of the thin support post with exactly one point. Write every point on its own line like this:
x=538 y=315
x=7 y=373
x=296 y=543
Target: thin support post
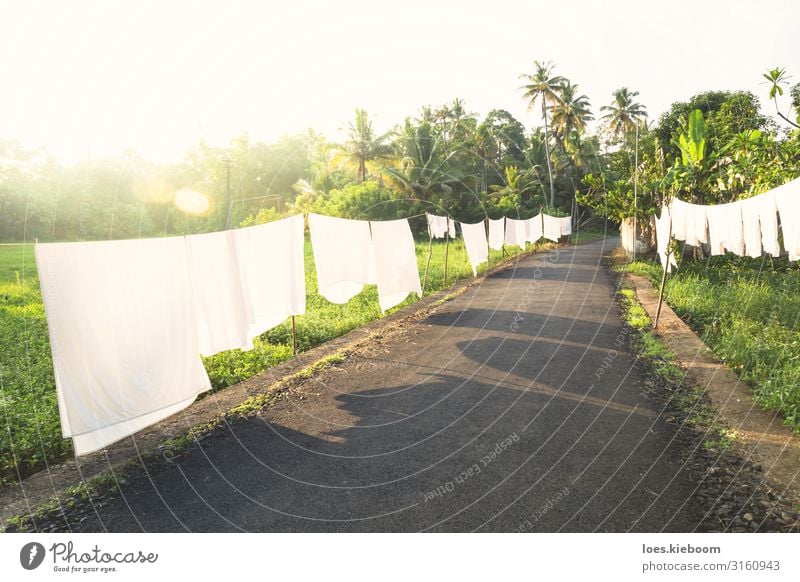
x=294 y=336
x=661 y=292
x=428 y=262
x=665 y=266
x=446 y=249
x=488 y=248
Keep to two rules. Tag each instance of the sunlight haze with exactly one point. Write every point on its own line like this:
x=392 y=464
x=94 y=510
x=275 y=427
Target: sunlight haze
x=90 y=79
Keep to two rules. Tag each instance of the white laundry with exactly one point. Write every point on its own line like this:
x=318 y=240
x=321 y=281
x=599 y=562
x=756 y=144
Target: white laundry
x=497 y=233
x=734 y=232
x=438 y=226
x=343 y=256
x=751 y=227
x=552 y=228
x=123 y=333
x=678 y=214
x=787 y=199
x=515 y=232
x=689 y=222
x=534 y=230
x=717 y=217
x=395 y=261
x=475 y=243
x=222 y=322
x=768 y=220
x=663 y=237
x=272 y=270
x=566 y=225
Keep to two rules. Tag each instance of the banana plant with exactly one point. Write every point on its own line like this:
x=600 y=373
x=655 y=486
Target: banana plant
x=693 y=143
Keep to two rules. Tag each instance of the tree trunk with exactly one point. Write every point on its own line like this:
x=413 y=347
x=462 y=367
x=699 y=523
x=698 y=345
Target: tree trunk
x=547 y=152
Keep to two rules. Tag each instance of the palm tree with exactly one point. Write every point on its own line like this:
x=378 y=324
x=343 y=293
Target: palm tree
x=624 y=113
x=363 y=148
x=571 y=112
x=544 y=86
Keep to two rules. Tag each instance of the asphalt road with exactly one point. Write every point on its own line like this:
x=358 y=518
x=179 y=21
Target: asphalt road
x=516 y=406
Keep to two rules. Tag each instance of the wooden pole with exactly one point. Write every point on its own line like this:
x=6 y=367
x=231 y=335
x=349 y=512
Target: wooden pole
x=446 y=249
x=294 y=336
x=430 y=253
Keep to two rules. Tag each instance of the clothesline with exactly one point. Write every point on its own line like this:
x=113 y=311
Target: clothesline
x=745 y=227
x=129 y=320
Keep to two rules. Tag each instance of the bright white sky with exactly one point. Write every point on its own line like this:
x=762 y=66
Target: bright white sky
x=93 y=78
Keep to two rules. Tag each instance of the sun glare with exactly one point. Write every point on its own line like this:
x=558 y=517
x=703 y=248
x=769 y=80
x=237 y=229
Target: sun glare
x=191 y=201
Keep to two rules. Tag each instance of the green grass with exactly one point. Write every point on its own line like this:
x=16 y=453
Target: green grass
x=660 y=360
x=31 y=435
x=748 y=312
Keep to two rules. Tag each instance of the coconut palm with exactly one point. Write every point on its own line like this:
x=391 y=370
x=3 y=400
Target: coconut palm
x=364 y=149
x=545 y=87
x=624 y=113
x=571 y=112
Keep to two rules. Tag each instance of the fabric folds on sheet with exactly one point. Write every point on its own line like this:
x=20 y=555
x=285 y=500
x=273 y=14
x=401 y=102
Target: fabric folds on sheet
x=751 y=227
x=663 y=237
x=566 y=225
x=123 y=332
x=787 y=199
x=534 y=231
x=395 y=261
x=497 y=233
x=438 y=226
x=343 y=256
x=552 y=228
x=222 y=322
x=271 y=262
x=768 y=220
x=515 y=232
x=475 y=243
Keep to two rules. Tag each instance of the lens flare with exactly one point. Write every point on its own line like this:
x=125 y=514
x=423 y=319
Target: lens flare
x=191 y=201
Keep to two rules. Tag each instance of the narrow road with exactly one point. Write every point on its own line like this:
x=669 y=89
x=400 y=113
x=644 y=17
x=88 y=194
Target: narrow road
x=514 y=407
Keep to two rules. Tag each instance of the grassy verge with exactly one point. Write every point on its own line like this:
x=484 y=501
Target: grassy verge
x=31 y=435
x=660 y=361
x=748 y=312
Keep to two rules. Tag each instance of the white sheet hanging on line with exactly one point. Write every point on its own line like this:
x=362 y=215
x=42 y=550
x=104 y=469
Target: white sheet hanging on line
x=497 y=233
x=515 y=233
x=768 y=220
x=272 y=269
x=734 y=232
x=663 y=227
x=440 y=225
x=343 y=256
x=537 y=228
x=222 y=322
x=475 y=243
x=123 y=333
x=678 y=214
x=566 y=225
x=717 y=217
x=751 y=227
x=787 y=199
x=689 y=222
x=552 y=228
x=395 y=261
x=533 y=229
